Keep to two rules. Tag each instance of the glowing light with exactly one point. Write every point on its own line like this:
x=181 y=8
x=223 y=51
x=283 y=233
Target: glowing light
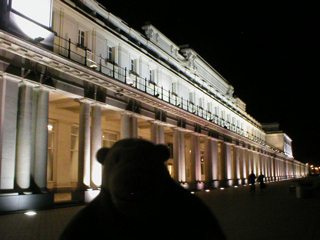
x=29 y=28
x=192 y=192
x=221 y=188
x=37 y=10
x=207 y=190
x=170 y=169
x=50 y=127
x=235 y=186
x=30 y=213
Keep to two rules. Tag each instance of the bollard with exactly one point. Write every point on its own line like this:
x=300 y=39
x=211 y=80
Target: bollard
x=299 y=191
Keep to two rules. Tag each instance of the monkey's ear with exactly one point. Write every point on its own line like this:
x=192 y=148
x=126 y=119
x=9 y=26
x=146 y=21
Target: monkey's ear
x=162 y=151
x=101 y=154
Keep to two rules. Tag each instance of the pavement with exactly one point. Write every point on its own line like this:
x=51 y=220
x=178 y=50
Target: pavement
x=276 y=213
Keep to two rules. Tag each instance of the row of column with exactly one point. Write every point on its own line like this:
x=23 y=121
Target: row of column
x=23 y=148
x=225 y=164
x=90 y=132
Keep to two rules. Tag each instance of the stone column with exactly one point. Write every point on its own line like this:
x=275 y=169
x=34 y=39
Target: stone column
x=195 y=159
x=277 y=168
x=255 y=163
x=179 y=165
x=84 y=146
x=265 y=164
x=129 y=126
x=157 y=133
x=96 y=144
x=222 y=164
x=229 y=158
x=41 y=139
x=237 y=165
x=215 y=162
x=125 y=126
x=242 y=169
x=9 y=92
x=272 y=163
x=23 y=157
x=208 y=162
x=245 y=164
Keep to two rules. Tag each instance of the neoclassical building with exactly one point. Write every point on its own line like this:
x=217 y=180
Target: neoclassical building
x=74 y=77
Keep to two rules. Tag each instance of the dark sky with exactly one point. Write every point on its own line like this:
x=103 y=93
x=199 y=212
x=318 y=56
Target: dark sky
x=266 y=49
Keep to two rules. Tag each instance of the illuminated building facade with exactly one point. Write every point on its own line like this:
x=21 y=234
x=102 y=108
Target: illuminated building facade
x=78 y=78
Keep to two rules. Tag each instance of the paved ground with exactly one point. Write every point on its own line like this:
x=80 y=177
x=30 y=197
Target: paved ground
x=274 y=214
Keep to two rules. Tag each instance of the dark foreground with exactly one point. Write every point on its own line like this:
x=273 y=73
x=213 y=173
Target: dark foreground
x=274 y=214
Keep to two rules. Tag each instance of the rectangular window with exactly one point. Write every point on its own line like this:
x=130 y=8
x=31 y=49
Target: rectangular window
x=108 y=139
x=81 y=39
x=175 y=88
x=152 y=77
x=132 y=66
x=192 y=97
x=110 y=54
x=201 y=103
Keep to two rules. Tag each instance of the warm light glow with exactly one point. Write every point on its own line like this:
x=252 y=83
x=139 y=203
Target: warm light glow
x=50 y=127
x=170 y=169
x=207 y=190
x=30 y=213
x=235 y=186
x=192 y=192
x=221 y=188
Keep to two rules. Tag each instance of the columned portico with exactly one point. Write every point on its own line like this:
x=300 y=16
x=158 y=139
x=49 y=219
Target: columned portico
x=27 y=165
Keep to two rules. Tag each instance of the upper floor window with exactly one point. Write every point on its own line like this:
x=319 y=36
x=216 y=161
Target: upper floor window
x=134 y=66
x=110 y=54
x=175 y=88
x=152 y=77
x=81 y=37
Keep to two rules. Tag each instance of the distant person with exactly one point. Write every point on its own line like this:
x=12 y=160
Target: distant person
x=261 y=181
x=252 y=182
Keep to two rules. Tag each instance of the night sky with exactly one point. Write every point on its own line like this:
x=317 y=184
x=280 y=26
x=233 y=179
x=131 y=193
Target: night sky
x=265 y=49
